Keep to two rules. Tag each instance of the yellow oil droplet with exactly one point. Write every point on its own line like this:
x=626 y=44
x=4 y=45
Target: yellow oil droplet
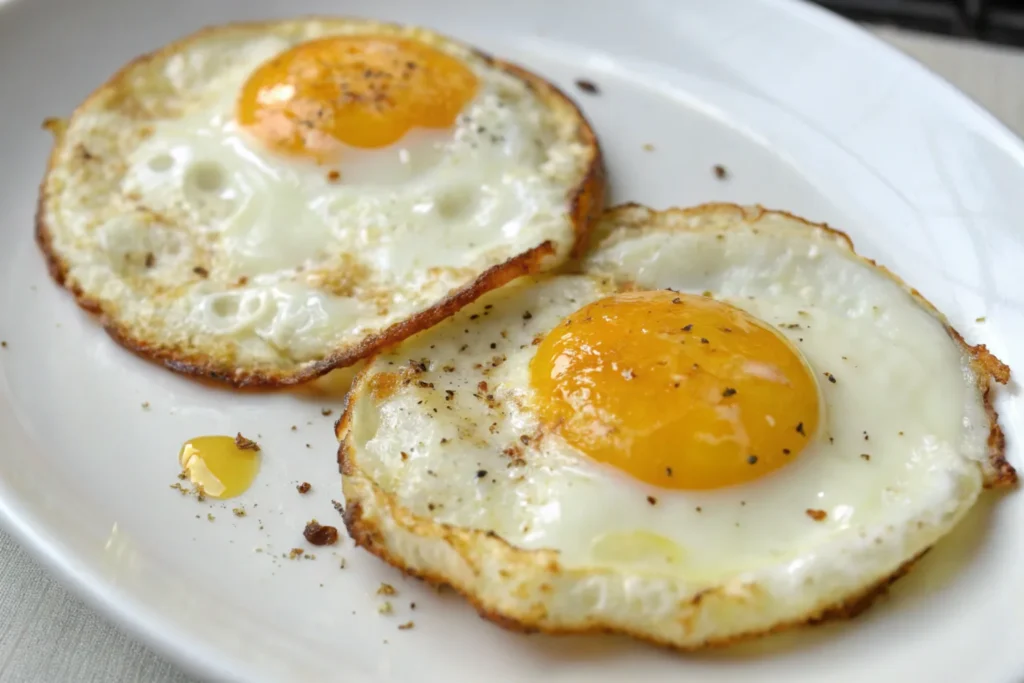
x=219 y=465
x=637 y=549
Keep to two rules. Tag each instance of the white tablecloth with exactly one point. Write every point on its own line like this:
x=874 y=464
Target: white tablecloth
x=47 y=634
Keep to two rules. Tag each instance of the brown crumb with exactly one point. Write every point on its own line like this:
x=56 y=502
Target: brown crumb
x=238 y=511
x=318 y=534
x=201 y=272
x=652 y=500
x=145 y=405
x=304 y=487
x=588 y=87
x=386 y=589
x=150 y=259
x=333 y=176
x=817 y=515
x=295 y=553
x=3 y=344
x=406 y=626
x=721 y=172
x=244 y=444
x=865 y=456
x=342 y=564
x=326 y=411
x=339 y=508
x=294 y=428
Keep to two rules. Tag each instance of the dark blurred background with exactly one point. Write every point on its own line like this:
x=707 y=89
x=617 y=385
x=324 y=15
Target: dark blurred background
x=991 y=21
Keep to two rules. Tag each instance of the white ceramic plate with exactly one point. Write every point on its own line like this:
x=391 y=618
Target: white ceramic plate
x=808 y=114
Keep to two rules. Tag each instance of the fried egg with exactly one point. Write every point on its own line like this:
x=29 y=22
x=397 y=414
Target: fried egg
x=726 y=423
x=261 y=203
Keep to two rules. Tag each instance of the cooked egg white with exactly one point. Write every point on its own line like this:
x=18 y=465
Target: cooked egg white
x=265 y=201
x=728 y=423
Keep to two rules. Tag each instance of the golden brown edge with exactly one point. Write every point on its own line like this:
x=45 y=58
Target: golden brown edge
x=586 y=202
x=368 y=536
x=365 y=536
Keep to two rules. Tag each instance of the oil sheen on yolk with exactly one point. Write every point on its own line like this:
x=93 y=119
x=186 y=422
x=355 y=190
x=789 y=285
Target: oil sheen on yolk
x=218 y=466
x=679 y=391
x=363 y=91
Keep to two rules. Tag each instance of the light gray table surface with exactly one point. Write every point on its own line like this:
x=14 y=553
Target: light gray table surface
x=48 y=634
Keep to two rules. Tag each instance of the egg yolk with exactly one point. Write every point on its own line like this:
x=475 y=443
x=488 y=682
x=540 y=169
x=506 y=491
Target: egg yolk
x=222 y=466
x=363 y=91
x=678 y=391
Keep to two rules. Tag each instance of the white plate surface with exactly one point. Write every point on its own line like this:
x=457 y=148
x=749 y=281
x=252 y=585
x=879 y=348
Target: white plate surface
x=807 y=113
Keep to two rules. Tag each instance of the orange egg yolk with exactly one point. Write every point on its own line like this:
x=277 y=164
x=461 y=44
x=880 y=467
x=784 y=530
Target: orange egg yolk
x=678 y=391
x=362 y=91
x=220 y=466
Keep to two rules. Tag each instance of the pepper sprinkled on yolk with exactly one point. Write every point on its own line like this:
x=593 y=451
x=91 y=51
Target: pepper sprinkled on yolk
x=363 y=91
x=679 y=391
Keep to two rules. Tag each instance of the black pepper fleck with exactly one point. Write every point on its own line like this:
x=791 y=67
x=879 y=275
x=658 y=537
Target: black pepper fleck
x=588 y=87
x=752 y=459
x=729 y=391
x=480 y=474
